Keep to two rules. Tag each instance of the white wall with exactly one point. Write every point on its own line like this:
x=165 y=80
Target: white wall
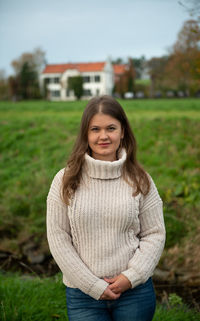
x=103 y=87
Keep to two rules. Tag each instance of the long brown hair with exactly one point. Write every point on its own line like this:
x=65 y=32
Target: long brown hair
x=132 y=170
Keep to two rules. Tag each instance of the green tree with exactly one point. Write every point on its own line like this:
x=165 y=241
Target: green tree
x=139 y=66
x=25 y=83
x=76 y=84
x=118 y=61
x=28 y=80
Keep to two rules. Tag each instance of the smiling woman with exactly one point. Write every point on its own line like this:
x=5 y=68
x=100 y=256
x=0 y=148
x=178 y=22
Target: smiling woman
x=104 y=137
x=105 y=223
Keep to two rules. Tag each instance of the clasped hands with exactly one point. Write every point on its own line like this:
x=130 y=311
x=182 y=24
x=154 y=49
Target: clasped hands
x=117 y=285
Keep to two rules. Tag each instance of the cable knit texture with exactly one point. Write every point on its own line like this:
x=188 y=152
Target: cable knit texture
x=105 y=230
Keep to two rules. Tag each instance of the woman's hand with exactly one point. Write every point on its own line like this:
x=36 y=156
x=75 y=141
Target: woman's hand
x=108 y=294
x=118 y=284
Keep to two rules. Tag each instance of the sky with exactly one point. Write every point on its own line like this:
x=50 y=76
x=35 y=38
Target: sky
x=88 y=30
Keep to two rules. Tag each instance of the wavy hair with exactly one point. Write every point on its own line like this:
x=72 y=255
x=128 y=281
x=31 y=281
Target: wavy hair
x=132 y=171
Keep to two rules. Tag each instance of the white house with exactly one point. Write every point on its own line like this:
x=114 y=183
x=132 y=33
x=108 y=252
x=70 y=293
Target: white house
x=98 y=79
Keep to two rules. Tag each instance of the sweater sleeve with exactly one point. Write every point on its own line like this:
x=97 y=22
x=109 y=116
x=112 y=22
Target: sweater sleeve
x=152 y=238
x=61 y=245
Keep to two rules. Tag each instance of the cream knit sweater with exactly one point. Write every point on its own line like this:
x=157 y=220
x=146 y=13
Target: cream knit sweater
x=105 y=231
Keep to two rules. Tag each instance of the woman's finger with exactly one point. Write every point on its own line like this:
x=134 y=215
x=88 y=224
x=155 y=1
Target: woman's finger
x=110 y=280
x=109 y=295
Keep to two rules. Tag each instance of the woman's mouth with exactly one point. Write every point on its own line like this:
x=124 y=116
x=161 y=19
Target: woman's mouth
x=104 y=144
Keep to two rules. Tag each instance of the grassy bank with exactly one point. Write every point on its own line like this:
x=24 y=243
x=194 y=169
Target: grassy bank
x=37 y=137
x=25 y=299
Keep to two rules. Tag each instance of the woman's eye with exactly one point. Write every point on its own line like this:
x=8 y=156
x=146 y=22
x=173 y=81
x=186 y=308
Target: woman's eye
x=94 y=129
x=111 y=128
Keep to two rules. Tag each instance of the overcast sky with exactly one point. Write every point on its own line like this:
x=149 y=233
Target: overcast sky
x=88 y=30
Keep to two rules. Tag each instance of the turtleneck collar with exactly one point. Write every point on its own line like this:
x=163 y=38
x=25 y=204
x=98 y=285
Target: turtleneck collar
x=104 y=169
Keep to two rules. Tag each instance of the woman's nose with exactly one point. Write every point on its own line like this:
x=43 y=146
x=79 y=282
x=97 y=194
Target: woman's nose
x=103 y=134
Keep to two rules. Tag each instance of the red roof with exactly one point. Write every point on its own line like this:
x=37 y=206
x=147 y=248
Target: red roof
x=119 y=69
x=94 y=66
x=82 y=67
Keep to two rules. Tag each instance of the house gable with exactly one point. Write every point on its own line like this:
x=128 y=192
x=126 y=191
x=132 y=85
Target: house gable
x=98 y=78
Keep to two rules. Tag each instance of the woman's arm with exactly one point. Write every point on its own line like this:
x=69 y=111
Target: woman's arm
x=152 y=238
x=61 y=247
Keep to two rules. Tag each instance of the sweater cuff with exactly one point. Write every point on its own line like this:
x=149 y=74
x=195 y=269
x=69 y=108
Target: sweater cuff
x=133 y=277
x=97 y=289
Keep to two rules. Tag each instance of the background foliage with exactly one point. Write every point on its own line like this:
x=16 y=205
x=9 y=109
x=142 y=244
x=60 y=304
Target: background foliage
x=35 y=141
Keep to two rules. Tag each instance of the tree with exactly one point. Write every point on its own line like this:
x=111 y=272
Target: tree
x=117 y=61
x=180 y=71
x=28 y=80
x=27 y=67
x=125 y=81
x=4 y=92
x=76 y=84
x=183 y=68
x=156 y=67
x=36 y=61
x=193 y=8
x=188 y=37
x=139 y=65
x=13 y=83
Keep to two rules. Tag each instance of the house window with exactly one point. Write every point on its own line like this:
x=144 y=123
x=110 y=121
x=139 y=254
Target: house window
x=87 y=92
x=47 y=81
x=55 y=93
x=97 y=78
x=86 y=79
x=56 y=80
x=97 y=92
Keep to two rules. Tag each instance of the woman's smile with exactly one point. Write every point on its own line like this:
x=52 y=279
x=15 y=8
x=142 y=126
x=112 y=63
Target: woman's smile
x=104 y=144
x=104 y=137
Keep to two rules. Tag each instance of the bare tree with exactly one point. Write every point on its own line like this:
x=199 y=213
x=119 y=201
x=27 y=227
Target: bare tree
x=193 y=8
x=35 y=60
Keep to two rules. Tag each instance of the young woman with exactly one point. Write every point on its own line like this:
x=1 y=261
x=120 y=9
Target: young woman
x=105 y=223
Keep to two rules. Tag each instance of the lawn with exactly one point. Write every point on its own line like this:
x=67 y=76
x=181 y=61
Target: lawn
x=36 y=139
x=35 y=299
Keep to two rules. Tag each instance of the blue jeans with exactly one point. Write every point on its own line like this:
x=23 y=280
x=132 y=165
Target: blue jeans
x=136 y=304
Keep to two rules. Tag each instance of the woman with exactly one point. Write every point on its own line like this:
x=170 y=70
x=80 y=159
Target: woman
x=105 y=223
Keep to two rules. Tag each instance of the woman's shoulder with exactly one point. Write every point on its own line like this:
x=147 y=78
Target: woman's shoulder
x=59 y=174
x=151 y=181
x=55 y=188
x=152 y=197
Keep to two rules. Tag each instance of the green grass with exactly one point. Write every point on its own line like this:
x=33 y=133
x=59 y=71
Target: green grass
x=145 y=82
x=26 y=299
x=37 y=137
x=147 y=105
x=31 y=299
x=35 y=140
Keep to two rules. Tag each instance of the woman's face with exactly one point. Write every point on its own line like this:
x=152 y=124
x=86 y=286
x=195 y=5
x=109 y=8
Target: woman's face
x=104 y=135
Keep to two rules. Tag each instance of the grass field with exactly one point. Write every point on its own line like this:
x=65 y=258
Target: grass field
x=37 y=137
x=26 y=299
x=35 y=141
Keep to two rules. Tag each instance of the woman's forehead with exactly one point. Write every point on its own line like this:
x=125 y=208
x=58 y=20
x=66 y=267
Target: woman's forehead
x=101 y=118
